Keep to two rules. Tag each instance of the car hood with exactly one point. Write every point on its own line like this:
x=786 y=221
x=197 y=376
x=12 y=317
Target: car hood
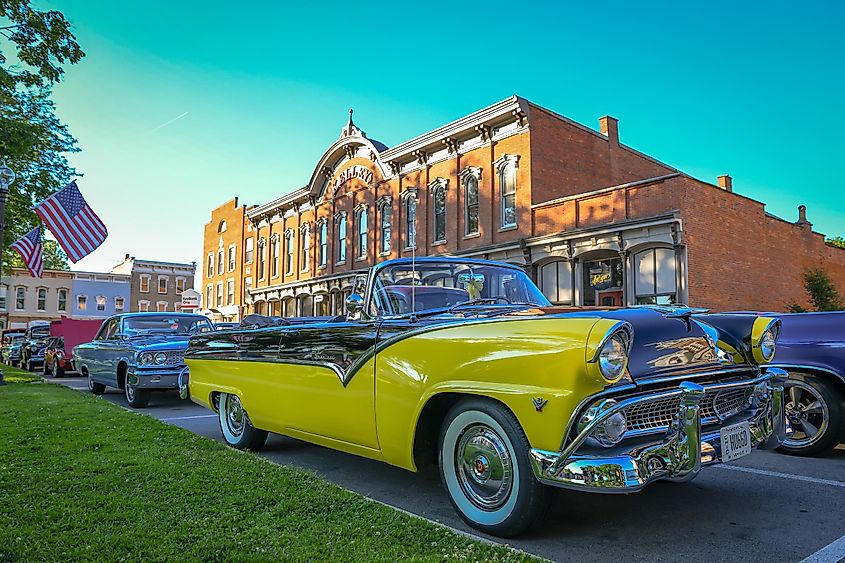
x=158 y=342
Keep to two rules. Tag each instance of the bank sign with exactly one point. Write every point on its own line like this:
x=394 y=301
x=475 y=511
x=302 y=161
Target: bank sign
x=360 y=172
x=190 y=300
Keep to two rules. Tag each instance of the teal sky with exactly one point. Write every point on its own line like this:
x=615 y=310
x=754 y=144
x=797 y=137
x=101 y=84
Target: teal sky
x=179 y=106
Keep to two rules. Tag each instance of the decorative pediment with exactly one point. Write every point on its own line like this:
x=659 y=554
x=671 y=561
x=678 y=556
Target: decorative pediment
x=437 y=183
x=469 y=171
x=409 y=192
x=505 y=160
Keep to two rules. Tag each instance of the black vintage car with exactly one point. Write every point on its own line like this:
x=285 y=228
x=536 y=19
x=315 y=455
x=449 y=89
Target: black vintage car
x=32 y=349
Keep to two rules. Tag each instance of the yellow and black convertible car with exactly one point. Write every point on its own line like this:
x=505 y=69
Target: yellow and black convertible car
x=464 y=363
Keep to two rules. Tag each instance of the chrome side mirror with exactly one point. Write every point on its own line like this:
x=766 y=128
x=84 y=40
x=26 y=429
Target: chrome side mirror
x=354 y=305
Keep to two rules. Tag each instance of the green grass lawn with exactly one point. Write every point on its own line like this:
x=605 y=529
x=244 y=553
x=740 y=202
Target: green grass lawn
x=15 y=375
x=82 y=479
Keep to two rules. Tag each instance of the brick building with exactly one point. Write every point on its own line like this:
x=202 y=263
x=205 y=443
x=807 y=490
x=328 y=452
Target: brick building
x=594 y=221
x=155 y=285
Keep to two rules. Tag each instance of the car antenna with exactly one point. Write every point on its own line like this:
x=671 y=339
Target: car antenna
x=413 y=318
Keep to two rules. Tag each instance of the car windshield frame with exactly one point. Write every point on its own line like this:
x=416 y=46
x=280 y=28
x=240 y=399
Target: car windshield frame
x=185 y=324
x=454 y=295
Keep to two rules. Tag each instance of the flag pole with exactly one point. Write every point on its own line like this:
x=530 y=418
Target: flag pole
x=7 y=176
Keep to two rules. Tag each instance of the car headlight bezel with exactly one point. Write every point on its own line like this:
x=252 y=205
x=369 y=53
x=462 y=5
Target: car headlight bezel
x=768 y=345
x=160 y=358
x=613 y=356
x=145 y=358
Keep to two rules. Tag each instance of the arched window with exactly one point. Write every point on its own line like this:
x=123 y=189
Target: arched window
x=262 y=258
x=654 y=277
x=340 y=229
x=556 y=281
x=361 y=226
x=384 y=219
x=289 y=250
x=410 y=206
x=274 y=255
x=324 y=243
x=506 y=166
x=440 y=214
x=305 y=246
x=471 y=204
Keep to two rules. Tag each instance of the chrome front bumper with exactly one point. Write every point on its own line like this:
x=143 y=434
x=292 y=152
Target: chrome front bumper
x=678 y=455
x=154 y=378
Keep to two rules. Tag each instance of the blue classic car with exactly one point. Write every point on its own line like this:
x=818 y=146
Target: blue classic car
x=811 y=348
x=138 y=353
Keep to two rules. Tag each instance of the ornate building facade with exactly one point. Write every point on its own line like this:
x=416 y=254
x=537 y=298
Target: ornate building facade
x=594 y=221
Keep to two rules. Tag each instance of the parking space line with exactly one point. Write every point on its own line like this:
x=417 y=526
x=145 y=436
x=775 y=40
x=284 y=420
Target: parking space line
x=792 y=476
x=188 y=417
x=828 y=554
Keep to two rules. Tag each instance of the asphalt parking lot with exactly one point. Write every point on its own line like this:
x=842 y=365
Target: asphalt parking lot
x=765 y=507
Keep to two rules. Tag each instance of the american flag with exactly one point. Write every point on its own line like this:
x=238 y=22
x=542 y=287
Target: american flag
x=73 y=222
x=29 y=247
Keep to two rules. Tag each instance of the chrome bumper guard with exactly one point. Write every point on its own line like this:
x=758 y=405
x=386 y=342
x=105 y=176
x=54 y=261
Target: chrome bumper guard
x=153 y=377
x=681 y=452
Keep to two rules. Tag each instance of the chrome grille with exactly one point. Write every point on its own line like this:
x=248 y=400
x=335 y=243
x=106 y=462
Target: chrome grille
x=176 y=358
x=714 y=405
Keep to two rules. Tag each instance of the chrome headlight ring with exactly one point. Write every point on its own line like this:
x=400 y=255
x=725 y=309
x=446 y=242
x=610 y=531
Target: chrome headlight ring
x=768 y=345
x=160 y=358
x=145 y=358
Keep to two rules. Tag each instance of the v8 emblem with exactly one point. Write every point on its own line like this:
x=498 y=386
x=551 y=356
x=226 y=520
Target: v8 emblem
x=539 y=403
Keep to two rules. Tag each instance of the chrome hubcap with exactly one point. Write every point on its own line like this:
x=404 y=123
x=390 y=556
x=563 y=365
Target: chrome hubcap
x=807 y=415
x=484 y=467
x=130 y=391
x=234 y=415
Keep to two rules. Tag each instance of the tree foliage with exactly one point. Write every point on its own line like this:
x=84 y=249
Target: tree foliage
x=821 y=291
x=33 y=141
x=836 y=241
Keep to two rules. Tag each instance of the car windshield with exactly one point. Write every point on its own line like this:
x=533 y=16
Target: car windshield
x=431 y=286
x=165 y=324
x=37 y=333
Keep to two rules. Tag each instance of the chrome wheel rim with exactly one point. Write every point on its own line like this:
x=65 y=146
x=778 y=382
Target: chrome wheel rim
x=90 y=384
x=235 y=416
x=130 y=392
x=484 y=467
x=807 y=414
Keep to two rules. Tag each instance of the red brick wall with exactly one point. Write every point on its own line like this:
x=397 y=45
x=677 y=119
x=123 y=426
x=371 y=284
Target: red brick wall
x=567 y=159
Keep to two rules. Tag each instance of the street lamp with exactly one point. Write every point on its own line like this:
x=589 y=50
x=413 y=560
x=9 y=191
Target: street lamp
x=7 y=176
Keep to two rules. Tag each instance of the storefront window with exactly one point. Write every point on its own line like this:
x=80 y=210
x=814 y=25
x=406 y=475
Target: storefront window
x=602 y=282
x=654 y=274
x=556 y=282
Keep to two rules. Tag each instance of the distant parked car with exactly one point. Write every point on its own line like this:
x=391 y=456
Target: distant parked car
x=65 y=335
x=11 y=351
x=32 y=349
x=138 y=353
x=811 y=348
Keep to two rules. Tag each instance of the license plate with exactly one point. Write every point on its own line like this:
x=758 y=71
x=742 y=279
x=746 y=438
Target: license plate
x=736 y=441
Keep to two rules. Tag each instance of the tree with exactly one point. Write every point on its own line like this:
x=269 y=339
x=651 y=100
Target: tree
x=836 y=241
x=33 y=142
x=821 y=291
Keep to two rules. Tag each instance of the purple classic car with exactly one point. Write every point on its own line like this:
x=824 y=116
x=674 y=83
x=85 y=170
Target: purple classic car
x=811 y=347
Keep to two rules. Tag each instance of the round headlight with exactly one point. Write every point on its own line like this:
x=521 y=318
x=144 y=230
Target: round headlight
x=33 y=348
x=160 y=358
x=613 y=357
x=767 y=345
x=145 y=358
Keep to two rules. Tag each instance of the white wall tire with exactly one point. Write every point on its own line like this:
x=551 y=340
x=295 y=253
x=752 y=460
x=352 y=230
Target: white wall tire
x=238 y=431
x=485 y=470
x=94 y=387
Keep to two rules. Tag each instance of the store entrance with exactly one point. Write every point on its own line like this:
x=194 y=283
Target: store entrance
x=602 y=282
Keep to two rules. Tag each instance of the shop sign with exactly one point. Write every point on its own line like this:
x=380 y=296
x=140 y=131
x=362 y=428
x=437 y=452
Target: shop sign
x=600 y=277
x=362 y=173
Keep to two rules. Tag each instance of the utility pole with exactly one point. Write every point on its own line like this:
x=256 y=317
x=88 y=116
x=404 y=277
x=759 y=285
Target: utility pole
x=7 y=176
